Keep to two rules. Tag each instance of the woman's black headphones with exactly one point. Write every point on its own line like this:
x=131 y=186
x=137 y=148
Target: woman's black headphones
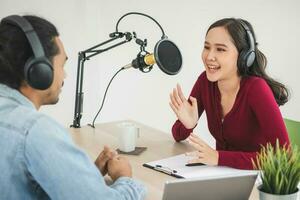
x=247 y=56
x=38 y=70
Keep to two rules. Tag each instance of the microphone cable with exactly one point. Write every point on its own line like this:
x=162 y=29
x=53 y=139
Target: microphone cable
x=103 y=100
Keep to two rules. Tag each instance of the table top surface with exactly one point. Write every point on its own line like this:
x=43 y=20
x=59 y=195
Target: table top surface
x=159 y=145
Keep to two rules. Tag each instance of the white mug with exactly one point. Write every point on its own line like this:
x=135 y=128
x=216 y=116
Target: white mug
x=128 y=134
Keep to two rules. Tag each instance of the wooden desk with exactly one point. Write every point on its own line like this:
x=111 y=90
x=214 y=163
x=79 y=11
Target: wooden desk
x=159 y=145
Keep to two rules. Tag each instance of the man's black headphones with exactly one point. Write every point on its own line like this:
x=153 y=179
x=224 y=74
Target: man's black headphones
x=38 y=70
x=247 y=56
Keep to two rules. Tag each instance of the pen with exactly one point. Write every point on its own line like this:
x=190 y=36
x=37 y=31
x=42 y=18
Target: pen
x=193 y=164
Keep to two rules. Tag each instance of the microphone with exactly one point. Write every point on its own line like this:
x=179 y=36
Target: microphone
x=166 y=55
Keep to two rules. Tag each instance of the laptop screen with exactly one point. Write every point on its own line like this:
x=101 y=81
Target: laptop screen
x=211 y=188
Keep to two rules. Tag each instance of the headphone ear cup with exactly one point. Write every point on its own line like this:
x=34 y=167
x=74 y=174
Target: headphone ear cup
x=242 y=60
x=38 y=73
x=246 y=59
x=250 y=57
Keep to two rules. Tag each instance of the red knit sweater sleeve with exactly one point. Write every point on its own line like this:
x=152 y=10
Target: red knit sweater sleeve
x=271 y=125
x=178 y=130
x=236 y=159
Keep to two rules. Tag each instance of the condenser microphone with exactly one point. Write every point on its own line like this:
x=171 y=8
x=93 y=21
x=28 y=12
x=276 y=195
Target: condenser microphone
x=166 y=55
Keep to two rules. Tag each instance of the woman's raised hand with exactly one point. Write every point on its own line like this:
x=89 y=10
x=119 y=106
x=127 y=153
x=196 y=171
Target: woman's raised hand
x=185 y=111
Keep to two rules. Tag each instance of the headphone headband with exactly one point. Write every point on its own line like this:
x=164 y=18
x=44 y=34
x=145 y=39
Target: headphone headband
x=247 y=55
x=31 y=35
x=249 y=35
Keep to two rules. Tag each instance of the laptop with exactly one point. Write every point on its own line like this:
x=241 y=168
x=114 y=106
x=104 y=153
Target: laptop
x=233 y=187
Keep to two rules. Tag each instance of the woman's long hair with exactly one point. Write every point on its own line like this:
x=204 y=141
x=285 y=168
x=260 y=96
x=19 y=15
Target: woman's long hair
x=258 y=68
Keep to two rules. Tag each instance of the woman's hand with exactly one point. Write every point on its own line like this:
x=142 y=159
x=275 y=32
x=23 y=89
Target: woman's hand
x=186 y=113
x=204 y=154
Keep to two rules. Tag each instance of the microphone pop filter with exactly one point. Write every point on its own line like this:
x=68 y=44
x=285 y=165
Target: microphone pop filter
x=168 y=57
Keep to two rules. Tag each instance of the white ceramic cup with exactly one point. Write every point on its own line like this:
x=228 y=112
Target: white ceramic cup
x=128 y=134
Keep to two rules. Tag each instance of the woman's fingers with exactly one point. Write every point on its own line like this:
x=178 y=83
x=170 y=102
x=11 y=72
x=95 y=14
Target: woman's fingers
x=196 y=145
x=176 y=97
x=174 y=108
x=195 y=154
x=192 y=153
x=204 y=154
x=194 y=103
x=196 y=160
x=180 y=93
x=174 y=102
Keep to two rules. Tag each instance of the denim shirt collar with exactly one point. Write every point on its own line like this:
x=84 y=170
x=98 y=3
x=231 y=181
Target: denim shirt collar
x=15 y=95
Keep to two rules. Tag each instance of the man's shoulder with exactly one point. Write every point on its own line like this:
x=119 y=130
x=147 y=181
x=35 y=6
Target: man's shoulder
x=24 y=118
x=18 y=117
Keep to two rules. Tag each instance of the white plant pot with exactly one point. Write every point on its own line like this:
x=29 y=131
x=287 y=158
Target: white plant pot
x=267 y=196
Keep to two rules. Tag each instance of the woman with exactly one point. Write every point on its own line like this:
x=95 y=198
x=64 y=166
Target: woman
x=240 y=100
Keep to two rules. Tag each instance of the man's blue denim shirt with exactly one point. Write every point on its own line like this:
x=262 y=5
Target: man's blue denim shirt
x=40 y=161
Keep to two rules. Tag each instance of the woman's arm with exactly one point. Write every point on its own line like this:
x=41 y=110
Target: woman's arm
x=181 y=131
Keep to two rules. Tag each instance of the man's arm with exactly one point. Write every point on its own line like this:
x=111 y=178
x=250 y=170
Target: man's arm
x=65 y=172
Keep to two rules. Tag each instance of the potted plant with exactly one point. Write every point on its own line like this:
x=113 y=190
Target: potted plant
x=279 y=171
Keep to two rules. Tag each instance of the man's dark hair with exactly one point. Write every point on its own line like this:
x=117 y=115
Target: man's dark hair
x=15 y=48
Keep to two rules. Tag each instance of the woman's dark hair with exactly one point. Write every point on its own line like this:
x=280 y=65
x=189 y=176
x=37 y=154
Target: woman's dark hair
x=15 y=48
x=240 y=40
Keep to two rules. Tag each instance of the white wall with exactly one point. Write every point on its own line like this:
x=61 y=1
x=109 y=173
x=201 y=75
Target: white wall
x=145 y=97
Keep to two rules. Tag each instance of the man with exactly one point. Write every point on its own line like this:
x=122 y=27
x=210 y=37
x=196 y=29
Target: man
x=39 y=159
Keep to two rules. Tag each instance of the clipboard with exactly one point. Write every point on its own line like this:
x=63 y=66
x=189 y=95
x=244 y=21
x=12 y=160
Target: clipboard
x=176 y=166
